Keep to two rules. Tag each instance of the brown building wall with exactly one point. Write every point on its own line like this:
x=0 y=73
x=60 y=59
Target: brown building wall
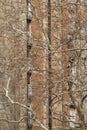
x=12 y=62
x=37 y=61
x=13 y=52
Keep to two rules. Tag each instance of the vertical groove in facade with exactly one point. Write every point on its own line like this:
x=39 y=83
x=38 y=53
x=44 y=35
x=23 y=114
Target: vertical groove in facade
x=49 y=69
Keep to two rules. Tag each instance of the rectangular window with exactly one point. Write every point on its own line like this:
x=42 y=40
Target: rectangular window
x=72 y=118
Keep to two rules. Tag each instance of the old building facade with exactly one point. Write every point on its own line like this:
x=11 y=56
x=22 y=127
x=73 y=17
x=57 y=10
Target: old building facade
x=43 y=61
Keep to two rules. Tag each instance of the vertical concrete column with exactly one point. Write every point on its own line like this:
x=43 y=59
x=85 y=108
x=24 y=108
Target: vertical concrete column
x=65 y=96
